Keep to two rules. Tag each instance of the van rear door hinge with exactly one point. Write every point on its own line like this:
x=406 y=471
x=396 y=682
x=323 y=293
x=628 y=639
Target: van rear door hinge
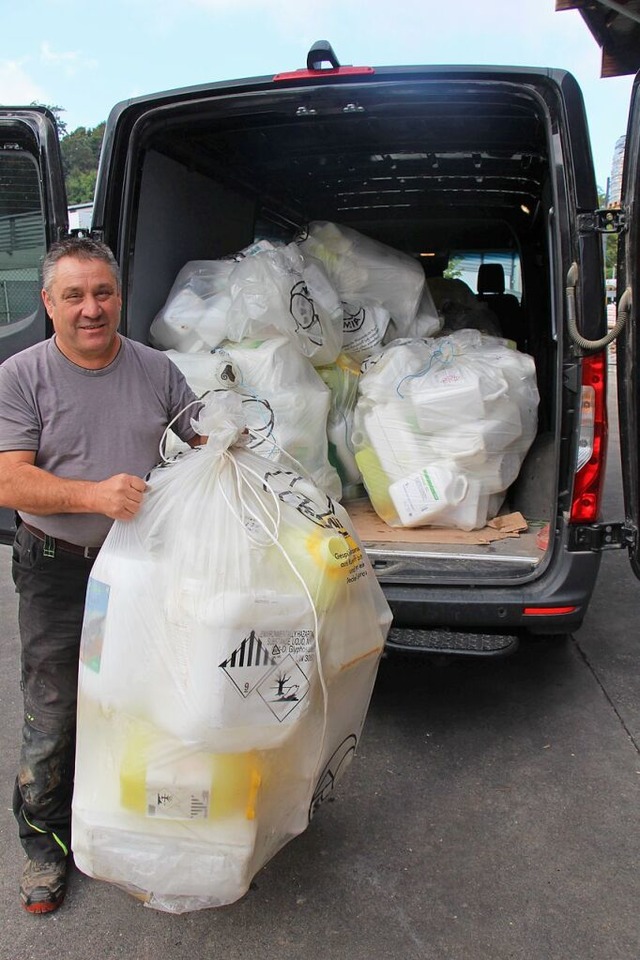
x=602 y=536
x=605 y=220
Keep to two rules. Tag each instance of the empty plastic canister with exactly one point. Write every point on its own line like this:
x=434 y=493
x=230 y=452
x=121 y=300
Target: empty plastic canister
x=165 y=778
x=424 y=494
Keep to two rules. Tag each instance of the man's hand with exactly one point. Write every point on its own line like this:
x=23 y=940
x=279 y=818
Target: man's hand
x=23 y=486
x=119 y=497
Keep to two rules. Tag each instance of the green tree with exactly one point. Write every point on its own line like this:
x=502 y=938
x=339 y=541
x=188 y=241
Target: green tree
x=453 y=271
x=80 y=157
x=81 y=186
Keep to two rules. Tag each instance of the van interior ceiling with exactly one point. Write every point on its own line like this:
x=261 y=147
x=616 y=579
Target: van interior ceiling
x=429 y=168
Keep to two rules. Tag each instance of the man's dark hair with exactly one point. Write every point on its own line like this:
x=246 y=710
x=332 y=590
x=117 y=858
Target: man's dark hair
x=82 y=248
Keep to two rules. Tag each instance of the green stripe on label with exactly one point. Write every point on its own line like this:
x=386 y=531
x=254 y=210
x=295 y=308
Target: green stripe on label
x=429 y=483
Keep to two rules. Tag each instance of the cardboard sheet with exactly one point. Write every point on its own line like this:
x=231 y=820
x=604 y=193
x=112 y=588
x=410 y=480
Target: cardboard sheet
x=371 y=528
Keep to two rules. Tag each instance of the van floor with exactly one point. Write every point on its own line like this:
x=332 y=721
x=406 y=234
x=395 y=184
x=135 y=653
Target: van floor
x=527 y=545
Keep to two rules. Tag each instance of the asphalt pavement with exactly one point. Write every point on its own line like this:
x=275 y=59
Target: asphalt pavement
x=491 y=814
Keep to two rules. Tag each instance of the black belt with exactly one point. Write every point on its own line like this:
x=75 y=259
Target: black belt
x=52 y=543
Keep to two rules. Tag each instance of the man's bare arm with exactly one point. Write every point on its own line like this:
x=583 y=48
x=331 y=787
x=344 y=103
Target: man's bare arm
x=23 y=486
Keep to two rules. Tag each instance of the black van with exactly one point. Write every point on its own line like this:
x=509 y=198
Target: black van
x=492 y=163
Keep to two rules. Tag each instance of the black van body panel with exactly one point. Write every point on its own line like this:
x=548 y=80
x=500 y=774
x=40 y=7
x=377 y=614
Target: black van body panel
x=628 y=346
x=31 y=132
x=28 y=137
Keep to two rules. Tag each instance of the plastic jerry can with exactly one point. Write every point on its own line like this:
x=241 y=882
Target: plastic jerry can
x=167 y=779
x=425 y=494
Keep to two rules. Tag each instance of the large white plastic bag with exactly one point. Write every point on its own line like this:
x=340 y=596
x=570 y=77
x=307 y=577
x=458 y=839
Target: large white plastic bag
x=274 y=290
x=432 y=411
x=262 y=291
x=286 y=403
x=194 y=315
x=426 y=323
x=224 y=675
x=363 y=269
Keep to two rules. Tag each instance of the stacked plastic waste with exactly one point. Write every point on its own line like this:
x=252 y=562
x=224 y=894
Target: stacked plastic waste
x=452 y=400
x=286 y=402
x=383 y=290
x=278 y=310
x=265 y=290
x=442 y=426
x=333 y=290
x=231 y=640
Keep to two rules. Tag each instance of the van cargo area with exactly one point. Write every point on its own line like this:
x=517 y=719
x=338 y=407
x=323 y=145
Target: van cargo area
x=427 y=166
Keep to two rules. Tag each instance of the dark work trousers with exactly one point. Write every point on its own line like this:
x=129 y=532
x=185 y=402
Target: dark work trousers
x=51 y=593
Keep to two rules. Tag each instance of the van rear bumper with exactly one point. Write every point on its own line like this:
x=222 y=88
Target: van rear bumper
x=555 y=602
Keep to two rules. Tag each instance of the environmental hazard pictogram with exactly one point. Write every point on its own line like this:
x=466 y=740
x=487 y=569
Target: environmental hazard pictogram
x=284 y=689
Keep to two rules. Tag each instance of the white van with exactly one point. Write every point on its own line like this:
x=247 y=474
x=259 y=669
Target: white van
x=481 y=160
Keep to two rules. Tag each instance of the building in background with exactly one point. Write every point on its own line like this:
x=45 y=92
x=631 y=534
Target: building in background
x=614 y=187
x=80 y=216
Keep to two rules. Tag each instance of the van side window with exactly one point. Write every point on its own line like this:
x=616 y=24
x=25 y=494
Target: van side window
x=22 y=236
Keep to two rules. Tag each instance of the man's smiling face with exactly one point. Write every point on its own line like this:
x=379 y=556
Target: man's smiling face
x=84 y=304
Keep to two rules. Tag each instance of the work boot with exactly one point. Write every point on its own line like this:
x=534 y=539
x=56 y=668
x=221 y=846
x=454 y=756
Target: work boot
x=43 y=885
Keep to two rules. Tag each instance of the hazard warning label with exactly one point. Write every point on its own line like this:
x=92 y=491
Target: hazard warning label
x=284 y=688
x=249 y=663
x=276 y=665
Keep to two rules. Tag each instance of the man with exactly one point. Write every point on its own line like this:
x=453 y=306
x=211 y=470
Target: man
x=81 y=419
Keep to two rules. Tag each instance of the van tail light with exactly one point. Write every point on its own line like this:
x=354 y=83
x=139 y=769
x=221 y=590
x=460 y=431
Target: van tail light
x=327 y=72
x=548 y=611
x=592 y=442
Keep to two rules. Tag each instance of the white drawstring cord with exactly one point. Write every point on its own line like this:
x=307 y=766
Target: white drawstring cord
x=240 y=481
x=162 y=444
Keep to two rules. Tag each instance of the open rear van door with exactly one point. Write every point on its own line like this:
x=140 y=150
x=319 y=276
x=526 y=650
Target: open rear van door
x=33 y=213
x=628 y=347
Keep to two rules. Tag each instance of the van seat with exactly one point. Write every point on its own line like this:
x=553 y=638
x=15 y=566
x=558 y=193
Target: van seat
x=505 y=306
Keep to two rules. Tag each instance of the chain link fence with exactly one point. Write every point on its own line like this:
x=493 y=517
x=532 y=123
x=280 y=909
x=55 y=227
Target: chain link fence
x=18 y=296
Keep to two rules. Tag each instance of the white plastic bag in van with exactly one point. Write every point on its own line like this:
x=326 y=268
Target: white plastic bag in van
x=365 y=324
x=230 y=644
x=194 y=315
x=262 y=291
x=426 y=323
x=286 y=402
x=432 y=410
x=276 y=291
x=361 y=268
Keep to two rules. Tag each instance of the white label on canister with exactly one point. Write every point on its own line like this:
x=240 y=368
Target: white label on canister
x=416 y=497
x=426 y=493
x=177 y=803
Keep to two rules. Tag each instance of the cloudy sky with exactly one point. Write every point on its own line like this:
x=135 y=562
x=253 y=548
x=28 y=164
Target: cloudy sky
x=86 y=57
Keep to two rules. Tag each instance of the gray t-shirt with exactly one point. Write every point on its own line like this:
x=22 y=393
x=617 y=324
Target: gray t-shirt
x=90 y=424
